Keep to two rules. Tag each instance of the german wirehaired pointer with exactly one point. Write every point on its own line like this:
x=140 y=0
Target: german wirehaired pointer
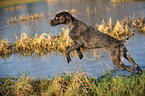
x=85 y=36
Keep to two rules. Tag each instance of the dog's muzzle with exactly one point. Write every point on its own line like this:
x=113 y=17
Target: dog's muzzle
x=51 y=23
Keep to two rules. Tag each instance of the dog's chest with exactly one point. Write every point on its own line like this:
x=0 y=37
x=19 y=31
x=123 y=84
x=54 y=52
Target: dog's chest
x=74 y=35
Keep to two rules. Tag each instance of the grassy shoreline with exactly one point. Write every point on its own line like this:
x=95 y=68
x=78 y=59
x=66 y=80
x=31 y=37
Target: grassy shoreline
x=6 y=3
x=73 y=84
x=124 y=1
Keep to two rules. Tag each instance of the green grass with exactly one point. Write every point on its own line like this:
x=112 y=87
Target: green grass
x=6 y=3
x=73 y=84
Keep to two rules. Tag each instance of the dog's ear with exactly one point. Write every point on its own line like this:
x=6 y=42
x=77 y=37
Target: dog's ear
x=69 y=18
x=62 y=18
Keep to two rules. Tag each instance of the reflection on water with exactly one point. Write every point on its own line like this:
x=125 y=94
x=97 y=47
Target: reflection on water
x=89 y=11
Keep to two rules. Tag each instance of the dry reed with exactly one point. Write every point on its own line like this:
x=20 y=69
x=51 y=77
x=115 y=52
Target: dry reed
x=5 y=48
x=123 y=1
x=43 y=43
x=14 y=8
x=29 y=17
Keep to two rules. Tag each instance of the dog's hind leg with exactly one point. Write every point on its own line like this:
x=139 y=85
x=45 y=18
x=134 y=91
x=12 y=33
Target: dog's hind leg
x=130 y=59
x=117 y=59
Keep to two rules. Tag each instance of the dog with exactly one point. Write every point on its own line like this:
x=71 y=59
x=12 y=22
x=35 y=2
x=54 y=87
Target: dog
x=85 y=36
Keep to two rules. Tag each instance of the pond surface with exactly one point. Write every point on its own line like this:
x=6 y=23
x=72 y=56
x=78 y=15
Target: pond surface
x=55 y=63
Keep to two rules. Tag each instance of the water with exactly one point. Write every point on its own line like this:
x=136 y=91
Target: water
x=55 y=63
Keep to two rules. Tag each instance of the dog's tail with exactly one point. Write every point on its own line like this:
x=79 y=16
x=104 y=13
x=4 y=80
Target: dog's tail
x=125 y=39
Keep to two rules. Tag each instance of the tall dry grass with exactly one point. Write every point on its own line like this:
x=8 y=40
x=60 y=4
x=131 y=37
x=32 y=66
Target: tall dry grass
x=75 y=83
x=123 y=1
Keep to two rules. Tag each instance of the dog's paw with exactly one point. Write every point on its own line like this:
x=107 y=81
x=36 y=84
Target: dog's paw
x=81 y=56
x=68 y=58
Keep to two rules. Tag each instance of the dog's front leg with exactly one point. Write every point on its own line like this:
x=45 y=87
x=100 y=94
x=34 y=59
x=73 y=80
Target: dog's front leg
x=73 y=47
x=79 y=53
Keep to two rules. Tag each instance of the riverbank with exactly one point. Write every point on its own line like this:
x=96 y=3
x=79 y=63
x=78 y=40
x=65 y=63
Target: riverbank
x=124 y=1
x=74 y=84
x=6 y=3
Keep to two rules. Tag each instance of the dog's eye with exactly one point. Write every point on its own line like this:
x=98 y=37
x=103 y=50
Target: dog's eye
x=56 y=18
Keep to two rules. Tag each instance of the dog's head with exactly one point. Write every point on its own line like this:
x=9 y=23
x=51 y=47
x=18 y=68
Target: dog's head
x=62 y=17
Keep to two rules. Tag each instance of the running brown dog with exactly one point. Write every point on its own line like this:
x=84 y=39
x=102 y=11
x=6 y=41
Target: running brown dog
x=85 y=36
